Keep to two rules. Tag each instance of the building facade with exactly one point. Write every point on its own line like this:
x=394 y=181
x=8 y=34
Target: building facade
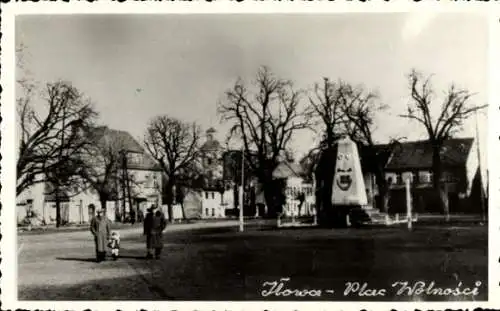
x=295 y=187
x=134 y=185
x=413 y=160
x=460 y=175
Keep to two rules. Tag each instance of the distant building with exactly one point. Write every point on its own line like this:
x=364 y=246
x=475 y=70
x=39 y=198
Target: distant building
x=211 y=154
x=139 y=185
x=413 y=160
x=213 y=197
x=295 y=186
x=460 y=174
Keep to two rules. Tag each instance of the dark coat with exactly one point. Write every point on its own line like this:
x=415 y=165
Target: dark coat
x=100 y=228
x=154 y=224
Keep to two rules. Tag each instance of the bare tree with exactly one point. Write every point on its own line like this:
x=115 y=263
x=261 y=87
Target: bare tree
x=359 y=108
x=102 y=162
x=325 y=106
x=265 y=119
x=326 y=101
x=49 y=134
x=308 y=164
x=175 y=145
x=455 y=109
x=342 y=109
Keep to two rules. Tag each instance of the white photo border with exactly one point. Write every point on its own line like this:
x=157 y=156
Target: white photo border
x=8 y=264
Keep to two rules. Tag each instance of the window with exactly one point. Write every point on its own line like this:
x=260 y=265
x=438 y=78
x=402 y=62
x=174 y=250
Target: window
x=213 y=195
x=414 y=177
x=148 y=181
x=399 y=178
x=424 y=177
x=134 y=158
x=206 y=211
x=213 y=212
x=206 y=195
x=408 y=175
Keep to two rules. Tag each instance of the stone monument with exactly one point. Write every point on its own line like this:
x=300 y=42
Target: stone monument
x=348 y=183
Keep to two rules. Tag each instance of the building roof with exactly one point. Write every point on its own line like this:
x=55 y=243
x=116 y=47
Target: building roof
x=147 y=163
x=418 y=154
x=125 y=142
x=286 y=170
x=124 y=139
x=211 y=145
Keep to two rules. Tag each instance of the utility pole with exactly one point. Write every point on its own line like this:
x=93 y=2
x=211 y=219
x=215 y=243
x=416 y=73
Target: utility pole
x=123 y=183
x=481 y=195
x=127 y=184
x=242 y=187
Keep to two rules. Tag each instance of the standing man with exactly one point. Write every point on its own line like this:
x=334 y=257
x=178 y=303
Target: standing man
x=154 y=224
x=100 y=228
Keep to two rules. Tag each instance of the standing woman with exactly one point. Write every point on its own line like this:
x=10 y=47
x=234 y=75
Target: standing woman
x=154 y=224
x=100 y=228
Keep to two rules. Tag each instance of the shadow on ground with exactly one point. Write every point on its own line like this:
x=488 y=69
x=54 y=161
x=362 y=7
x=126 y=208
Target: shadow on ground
x=223 y=264
x=76 y=259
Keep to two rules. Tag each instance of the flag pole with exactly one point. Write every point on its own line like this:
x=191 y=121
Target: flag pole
x=242 y=187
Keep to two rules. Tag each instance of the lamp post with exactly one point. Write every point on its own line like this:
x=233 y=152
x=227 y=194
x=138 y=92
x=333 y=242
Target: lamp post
x=242 y=187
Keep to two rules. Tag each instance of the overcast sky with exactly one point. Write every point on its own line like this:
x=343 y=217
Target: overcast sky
x=137 y=67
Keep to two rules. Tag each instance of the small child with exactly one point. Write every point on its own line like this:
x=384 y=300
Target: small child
x=114 y=244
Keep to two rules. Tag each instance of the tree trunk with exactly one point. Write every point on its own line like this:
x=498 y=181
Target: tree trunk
x=325 y=173
x=183 y=211
x=274 y=197
x=326 y=209
x=383 y=187
x=58 y=207
x=271 y=203
x=439 y=187
x=103 y=200
x=170 y=198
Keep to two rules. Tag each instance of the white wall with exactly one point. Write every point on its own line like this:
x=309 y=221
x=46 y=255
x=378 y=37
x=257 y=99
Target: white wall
x=211 y=205
x=147 y=184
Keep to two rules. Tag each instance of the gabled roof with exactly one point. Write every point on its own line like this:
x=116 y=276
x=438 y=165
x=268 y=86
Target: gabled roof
x=124 y=139
x=418 y=154
x=286 y=170
x=147 y=163
x=125 y=142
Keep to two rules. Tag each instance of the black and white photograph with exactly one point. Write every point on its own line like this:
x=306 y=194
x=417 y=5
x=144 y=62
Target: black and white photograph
x=252 y=157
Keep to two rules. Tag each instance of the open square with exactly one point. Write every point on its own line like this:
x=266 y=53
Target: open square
x=215 y=262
